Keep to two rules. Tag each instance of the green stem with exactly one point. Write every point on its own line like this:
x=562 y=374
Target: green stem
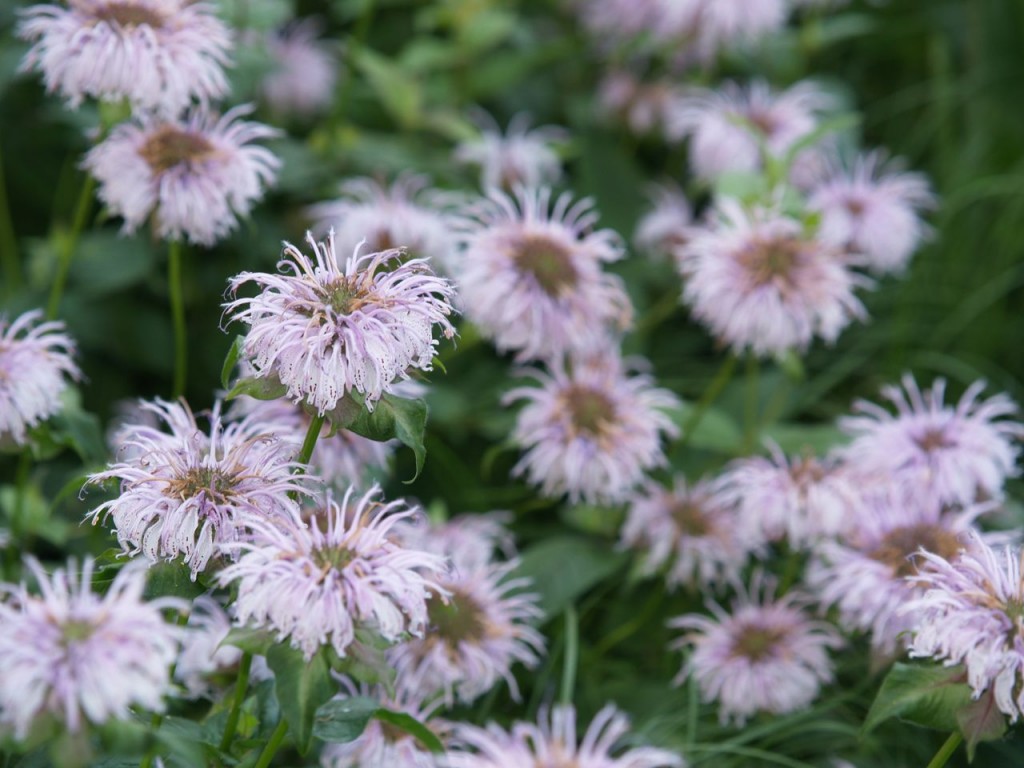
x=236 y=704
x=710 y=395
x=750 y=426
x=316 y=424
x=67 y=250
x=177 y=317
x=273 y=745
x=946 y=750
x=572 y=652
x=17 y=543
x=8 y=242
x=692 y=710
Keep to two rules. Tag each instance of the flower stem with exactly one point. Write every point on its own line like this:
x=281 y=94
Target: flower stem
x=8 y=242
x=17 y=544
x=751 y=427
x=236 y=704
x=572 y=651
x=68 y=245
x=710 y=395
x=316 y=424
x=273 y=745
x=946 y=750
x=177 y=317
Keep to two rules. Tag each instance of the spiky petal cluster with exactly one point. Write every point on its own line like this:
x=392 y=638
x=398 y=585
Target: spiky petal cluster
x=305 y=70
x=397 y=216
x=591 y=431
x=184 y=492
x=468 y=541
x=203 y=653
x=196 y=175
x=973 y=614
x=521 y=157
x=36 y=360
x=766 y=655
x=643 y=106
x=873 y=211
x=761 y=283
x=958 y=453
x=707 y=27
x=160 y=55
x=553 y=741
x=78 y=656
x=669 y=225
x=690 y=532
x=317 y=583
x=326 y=330
x=531 y=275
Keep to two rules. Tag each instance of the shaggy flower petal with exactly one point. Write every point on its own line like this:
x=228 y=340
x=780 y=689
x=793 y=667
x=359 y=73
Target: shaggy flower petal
x=325 y=331
x=79 y=656
x=317 y=583
x=669 y=226
x=469 y=542
x=305 y=70
x=196 y=175
x=521 y=157
x=160 y=55
x=203 y=653
x=36 y=360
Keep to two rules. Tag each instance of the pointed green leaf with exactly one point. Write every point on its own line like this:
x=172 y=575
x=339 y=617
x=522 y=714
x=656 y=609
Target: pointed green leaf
x=261 y=388
x=926 y=695
x=302 y=687
x=980 y=721
x=396 y=417
x=343 y=720
x=412 y=726
x=230 y=361
x=173 y=579
x=250 y=639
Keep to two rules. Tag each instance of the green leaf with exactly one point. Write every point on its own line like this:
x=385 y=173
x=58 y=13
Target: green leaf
x=716 y=430
x=184 y=739
x=397 y=89
x=796 y=438
x=930 y=696
x=250 y=639
x=980 y=721
x=302 y=687
x=564 y=567
x=173 y=579
x=412 y=726
x=259 y=387
x=343 y=720
x=230 y=361
x=395 y=417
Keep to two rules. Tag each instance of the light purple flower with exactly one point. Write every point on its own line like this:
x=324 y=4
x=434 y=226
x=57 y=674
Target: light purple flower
x=873 y=572
x=203 y=653
x=468 y=541
x=689 y=532
x=521 y=157
x=160 y=55
x=195 y=175
x=387 y=217
x=531 y=275
x=591 y=431
x=802 y=499
x=665 y=229
x=973 y=614
x=305 y=70
x=316 y=583
x=873 y=211
x=707 y=27
x=326 y=330
x=761 y=283
x=644 y=106
x=36 y=360
x=80 y=656
x=186 y=492
x=767 y=655
x=960 y=453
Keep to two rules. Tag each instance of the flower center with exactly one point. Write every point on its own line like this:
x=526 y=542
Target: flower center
x=458 y=621
x=771 y=261
x=807 y=471
x=899 y=544
x=215 y=484
x=756 y=643
x=129 y=14
x=689 y=517
x=933 y=439
x=75 y=631
x=855 y=206
x=168 y=147
x=763 y=121
x=590 y=410
x=345 y=297
x=331 y=558
x=549 y=263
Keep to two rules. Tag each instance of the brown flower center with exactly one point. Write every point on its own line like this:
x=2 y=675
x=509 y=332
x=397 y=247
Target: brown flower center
x=756 y=643
x=168 y=147
x=690 y=518
x=590 y=410
x=772 y=261
x=548 y=262
x=933 y=439
x=461 y=620
x=75 y=631
x=214 y=483
x=331 y=558
x=129 y=14
x=763 y=121
x=807 y=471
x=899 y=544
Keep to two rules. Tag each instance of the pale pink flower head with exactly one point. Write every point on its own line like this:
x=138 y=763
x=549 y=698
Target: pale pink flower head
x=195 y=175
x=972 y=613
x=305 y=70
x=80 y=657
x=761 y=283
x=766 y=655
x=468 y=541
x=873 y=572
x=401 y=215
x=615 y=22
x=203 y=653
x=873 y=211
x=645 y=107
x=665 y=229
x=802 y=499
x=160 y=55
x=591 y=430
x=326 y=330
x=36 y=361
x=184 y=492
x=316 y=583
x=689 y=532
x=960 y=453
x=728 y=127
x=704 y=28
x=531 y=274
x=553 y=741
x=520 y=157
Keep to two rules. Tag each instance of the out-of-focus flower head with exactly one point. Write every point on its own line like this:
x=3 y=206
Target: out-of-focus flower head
x=591 y=430
x=761 y=283
x=705 y=28
x=468 y=541
x=305 y=70
x=81 y=657
x=36 y=361
x=766 y=655
x=668 y=227
x=645 y=107
x=317 y=583
x=203 y=654
x=160 y=55
x=531 y=274
x=185 y=492
x=195 y=175
x=326 y=330
x=959 y=454
x=520 y=157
